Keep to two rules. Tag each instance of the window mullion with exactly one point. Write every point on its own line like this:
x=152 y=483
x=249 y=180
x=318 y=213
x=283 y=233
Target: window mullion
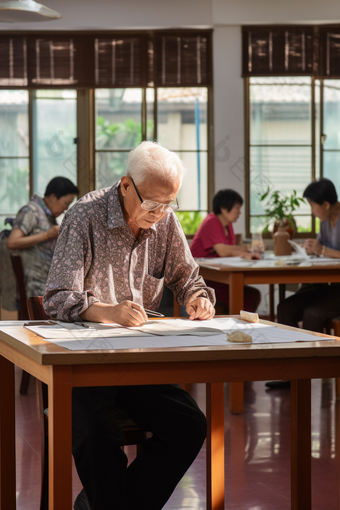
x=31 y=94
x=155 y=114
x=321 y=127
x=144 y=111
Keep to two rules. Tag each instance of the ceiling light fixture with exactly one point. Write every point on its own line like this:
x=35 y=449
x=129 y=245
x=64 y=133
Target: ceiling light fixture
x=24 y=11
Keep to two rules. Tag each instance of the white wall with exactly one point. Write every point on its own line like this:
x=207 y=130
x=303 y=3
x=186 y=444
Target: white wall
x=123 y=14
x=242 y=12
x=228 y=112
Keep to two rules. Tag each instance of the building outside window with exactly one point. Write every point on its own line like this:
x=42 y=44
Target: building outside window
x=14 y=152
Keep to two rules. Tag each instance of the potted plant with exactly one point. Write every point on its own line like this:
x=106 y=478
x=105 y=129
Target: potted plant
x=279 y=209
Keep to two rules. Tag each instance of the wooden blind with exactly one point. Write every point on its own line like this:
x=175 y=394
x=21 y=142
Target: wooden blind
x=181 y=60
x=330 y=51
x=13 y=61
x=277 y=51
x=63 y=60
x=119 y=62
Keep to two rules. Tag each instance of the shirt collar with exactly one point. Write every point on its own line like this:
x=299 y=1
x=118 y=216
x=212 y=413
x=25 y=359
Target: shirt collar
x=115 y=214
x=40 y=201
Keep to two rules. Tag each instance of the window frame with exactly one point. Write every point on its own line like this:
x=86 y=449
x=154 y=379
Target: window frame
x=208 y=151
x=247 y=146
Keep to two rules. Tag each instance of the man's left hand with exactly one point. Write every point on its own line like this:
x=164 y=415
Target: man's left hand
x=313 y=247
x=201 y=309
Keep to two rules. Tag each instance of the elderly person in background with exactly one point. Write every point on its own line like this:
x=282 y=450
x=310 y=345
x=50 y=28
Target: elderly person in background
x=35 y=232
x=116 y=250
x=215 y=238
x=314 y=304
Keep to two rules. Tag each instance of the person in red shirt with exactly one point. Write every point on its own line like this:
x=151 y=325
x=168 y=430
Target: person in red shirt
x=215 y=238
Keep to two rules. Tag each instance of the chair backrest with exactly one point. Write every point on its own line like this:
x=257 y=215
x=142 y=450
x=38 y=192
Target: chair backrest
x=35 y=308
x=19 y=275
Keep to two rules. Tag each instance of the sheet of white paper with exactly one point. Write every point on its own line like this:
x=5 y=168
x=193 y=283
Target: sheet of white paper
x=300 y=250
x=145 y=342
x=171 y=327
x=227 y=261
x=78 y=332
x=260 y=333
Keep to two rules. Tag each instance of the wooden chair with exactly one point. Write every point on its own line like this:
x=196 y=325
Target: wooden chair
x=22 y=312
x=132 y=433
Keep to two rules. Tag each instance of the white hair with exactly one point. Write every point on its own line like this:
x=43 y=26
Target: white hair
x=151 y=160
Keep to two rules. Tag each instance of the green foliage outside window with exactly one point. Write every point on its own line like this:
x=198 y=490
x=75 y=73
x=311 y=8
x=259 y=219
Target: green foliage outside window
x=121 y=137
x=190 y=221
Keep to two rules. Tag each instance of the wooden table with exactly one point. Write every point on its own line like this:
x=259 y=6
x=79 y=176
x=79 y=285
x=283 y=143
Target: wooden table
x=237 y=277
x=62 y=370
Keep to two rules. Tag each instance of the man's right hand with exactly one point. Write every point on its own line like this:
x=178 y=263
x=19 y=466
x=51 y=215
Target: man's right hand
x=52 y=233
x=129 y=314
x=126 y=313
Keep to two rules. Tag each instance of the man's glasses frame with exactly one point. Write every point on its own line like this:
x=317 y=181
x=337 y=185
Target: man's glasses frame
x=150 y=205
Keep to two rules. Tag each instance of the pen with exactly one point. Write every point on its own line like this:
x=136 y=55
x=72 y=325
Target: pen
x=84 y=325
x=151 y=312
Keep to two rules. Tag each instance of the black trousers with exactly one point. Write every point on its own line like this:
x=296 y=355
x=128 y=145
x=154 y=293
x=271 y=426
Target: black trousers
x=178 y=427
x=314 y=304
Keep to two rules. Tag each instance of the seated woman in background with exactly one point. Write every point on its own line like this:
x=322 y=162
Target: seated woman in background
x=314 y=304
x=215 y=238
x=35 y=232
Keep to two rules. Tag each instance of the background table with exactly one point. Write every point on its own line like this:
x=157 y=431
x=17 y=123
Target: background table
x=237 y=277
x=62 y=370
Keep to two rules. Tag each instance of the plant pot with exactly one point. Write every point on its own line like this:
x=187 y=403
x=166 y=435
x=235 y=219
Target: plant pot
x=286 y=223
x=281 y=244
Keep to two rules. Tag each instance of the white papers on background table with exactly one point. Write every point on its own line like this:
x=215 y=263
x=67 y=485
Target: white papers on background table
x=270 y=260
x=136 y=339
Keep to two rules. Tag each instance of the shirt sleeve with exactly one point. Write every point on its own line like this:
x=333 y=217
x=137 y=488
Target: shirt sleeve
x=211 y=234
x=321 y=237
x=65 y=298
x=181 y=271
x=26 y=220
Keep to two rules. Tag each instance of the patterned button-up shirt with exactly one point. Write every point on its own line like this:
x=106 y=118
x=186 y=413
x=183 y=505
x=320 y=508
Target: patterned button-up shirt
x=97 y=258
x=35 y=218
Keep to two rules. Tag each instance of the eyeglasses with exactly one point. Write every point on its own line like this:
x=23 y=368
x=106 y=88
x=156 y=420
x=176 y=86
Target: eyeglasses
x=150 y=205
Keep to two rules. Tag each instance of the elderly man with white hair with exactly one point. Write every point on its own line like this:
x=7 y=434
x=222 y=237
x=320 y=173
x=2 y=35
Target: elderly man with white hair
x=116 y=250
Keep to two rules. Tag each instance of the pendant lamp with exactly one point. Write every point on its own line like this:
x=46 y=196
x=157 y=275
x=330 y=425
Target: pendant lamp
x=26 y=11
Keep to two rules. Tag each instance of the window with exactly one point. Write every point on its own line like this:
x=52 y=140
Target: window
x=280 y=143
x=87 y=100
x=292 y=110
x=14 y=152
x=54 y=134
x=125 y=117
x=293 y=138
x=331 y=131
x=118 y=130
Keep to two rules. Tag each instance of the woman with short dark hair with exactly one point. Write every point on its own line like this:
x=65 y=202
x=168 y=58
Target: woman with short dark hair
x=35 y=232
x=215 y=238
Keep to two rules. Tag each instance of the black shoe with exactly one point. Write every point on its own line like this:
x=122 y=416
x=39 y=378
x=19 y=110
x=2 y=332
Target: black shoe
x=81 y=502
x=276 y=385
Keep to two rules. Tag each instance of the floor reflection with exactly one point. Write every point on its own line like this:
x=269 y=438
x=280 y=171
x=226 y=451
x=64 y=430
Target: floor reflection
x=257 y=452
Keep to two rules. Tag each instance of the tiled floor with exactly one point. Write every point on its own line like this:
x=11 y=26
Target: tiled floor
x=257 y=453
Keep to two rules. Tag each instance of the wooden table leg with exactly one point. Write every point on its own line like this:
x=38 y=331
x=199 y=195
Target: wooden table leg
x=271 y=303
x=7 y=436
x=301 y=484
x=215 y=446
x=60 y=438
x=282 y=292
x=236 y=390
